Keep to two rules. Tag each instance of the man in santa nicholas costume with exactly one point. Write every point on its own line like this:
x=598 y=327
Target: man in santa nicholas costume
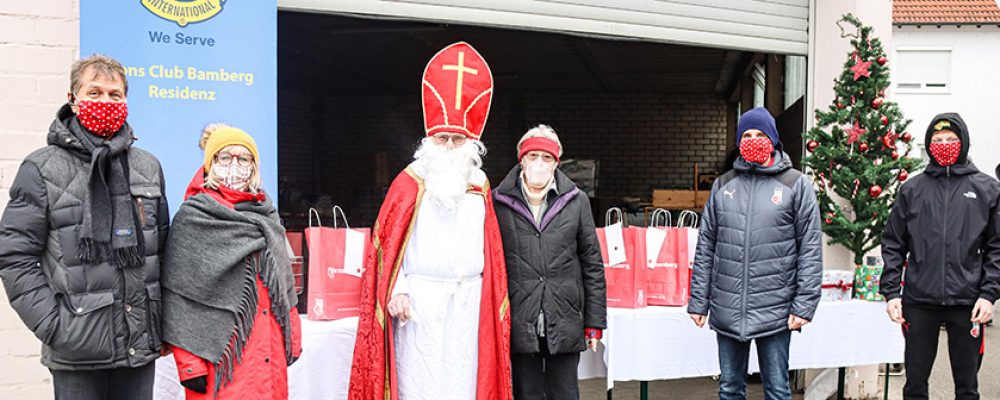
x=434 y=318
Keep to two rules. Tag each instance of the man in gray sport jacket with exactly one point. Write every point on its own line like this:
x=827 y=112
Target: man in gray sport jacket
x=759 y=261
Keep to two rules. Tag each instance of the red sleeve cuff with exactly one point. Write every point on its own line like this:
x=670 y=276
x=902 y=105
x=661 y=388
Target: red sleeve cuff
x=189 y=366
x=593 y=333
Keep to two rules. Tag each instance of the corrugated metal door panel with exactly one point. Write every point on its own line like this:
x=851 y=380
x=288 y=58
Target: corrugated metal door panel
x=778 y=26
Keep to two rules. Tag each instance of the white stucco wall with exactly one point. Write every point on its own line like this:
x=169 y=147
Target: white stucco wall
x=975 y=83
x=827 y=62
x=38 y=41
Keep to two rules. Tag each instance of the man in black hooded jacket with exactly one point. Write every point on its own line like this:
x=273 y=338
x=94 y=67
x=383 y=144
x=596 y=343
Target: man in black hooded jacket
x=944 y=233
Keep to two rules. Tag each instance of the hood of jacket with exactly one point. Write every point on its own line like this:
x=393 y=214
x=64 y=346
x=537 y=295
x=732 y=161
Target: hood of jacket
x=963 y=166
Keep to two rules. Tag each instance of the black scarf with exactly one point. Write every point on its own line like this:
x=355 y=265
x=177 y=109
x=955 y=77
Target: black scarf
x=110 y=231
x=213 y=257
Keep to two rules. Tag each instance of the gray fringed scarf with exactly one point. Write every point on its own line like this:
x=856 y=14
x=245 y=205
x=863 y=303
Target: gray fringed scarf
x=110 y=230
x=213 y=257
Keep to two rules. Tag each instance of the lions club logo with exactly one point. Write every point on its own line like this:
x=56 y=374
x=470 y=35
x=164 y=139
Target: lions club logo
x=184 y=12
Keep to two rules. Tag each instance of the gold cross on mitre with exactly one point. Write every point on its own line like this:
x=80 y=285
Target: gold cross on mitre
x=461 y=69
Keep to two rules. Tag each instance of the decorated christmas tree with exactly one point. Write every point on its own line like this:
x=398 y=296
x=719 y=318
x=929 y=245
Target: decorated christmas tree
x=858 y=152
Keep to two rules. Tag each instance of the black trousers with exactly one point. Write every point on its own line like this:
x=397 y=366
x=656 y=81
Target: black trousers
x=965 y=350
x=544 y=376
x=105 y=384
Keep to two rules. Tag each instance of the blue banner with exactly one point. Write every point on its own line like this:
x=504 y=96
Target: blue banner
x=191 y=63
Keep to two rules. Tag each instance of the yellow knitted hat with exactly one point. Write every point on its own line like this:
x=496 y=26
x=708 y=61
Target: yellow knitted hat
x=228 y=136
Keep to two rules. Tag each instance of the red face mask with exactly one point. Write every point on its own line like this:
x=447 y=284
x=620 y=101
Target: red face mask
x=946 y=154
x=756 y=150
x=102 y=118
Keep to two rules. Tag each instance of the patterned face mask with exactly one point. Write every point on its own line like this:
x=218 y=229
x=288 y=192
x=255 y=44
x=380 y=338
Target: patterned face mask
x=102 y=118
x=946 y=154
x=233 y=176
x=756 y=150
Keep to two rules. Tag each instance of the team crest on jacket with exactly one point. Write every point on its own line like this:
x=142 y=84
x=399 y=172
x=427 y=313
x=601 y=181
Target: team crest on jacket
x=777 y=197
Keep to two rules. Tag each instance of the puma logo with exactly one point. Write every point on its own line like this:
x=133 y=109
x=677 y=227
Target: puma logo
x=970 y=195
x=729 y=193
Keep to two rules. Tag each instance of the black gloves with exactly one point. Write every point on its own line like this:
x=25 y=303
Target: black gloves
x=198 y=384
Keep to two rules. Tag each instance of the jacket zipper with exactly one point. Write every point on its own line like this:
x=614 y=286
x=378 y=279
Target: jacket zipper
x=944 y=233
x=746 y=257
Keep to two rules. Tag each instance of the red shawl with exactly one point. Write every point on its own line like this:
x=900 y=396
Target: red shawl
x=373 y=371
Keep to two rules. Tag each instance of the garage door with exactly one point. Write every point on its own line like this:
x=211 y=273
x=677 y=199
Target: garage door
x=774 y=26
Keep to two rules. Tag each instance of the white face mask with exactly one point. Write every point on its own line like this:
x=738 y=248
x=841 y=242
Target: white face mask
x=538 y=174
x=233 y=176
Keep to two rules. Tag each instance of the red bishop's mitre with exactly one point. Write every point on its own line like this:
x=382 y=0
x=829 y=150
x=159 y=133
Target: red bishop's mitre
x=457 y=91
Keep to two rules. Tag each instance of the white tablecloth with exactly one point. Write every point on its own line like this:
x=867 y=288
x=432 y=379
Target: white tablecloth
x=659 y=343
x=321 y=373
x=654 y=343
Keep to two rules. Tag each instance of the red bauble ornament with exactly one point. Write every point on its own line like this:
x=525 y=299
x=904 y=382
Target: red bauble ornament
x=877 y=102
x=881 y=60
x=906 y=137
x=829 y=218
x=812 y=145
x=840 y=105
x=863 y=146
x=884 y=120
x=903 y=175
x=895 y=155
x=874 y=190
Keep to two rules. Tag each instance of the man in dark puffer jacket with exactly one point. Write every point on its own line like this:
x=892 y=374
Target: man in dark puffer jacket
x=759 y=259
x=81 y=241
x=555 y=276
x=945 y=229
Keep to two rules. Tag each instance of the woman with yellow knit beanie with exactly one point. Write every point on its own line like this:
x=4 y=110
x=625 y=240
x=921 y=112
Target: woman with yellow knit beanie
x=228 y=294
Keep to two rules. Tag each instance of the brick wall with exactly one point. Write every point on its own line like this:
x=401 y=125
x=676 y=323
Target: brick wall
x=38 y=42
x=643 y=141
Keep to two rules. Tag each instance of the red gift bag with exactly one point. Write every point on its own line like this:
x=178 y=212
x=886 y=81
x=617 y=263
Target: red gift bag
x=665 y=256
x=336 y=261
x=688 y=222
x=294 y=242
x=626 y=284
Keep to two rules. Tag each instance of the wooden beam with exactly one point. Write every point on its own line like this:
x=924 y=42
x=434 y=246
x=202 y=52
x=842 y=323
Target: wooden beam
x=729 y=73
x=746 y=93
x=774 y=90
x=590 y=61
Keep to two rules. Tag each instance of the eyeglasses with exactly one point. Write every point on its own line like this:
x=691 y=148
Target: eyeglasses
x=443 y=138
x=244 y=160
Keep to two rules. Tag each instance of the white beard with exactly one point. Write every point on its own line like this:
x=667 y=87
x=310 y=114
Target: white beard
x=446 y=171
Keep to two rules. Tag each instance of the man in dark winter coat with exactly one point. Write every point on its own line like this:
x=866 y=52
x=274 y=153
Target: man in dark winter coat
x=555 y=274
x=759 y=260
x=81 y=241
x=943 y=234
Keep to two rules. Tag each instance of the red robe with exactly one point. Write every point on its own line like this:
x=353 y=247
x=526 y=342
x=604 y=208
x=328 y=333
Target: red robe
x=373 y=371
